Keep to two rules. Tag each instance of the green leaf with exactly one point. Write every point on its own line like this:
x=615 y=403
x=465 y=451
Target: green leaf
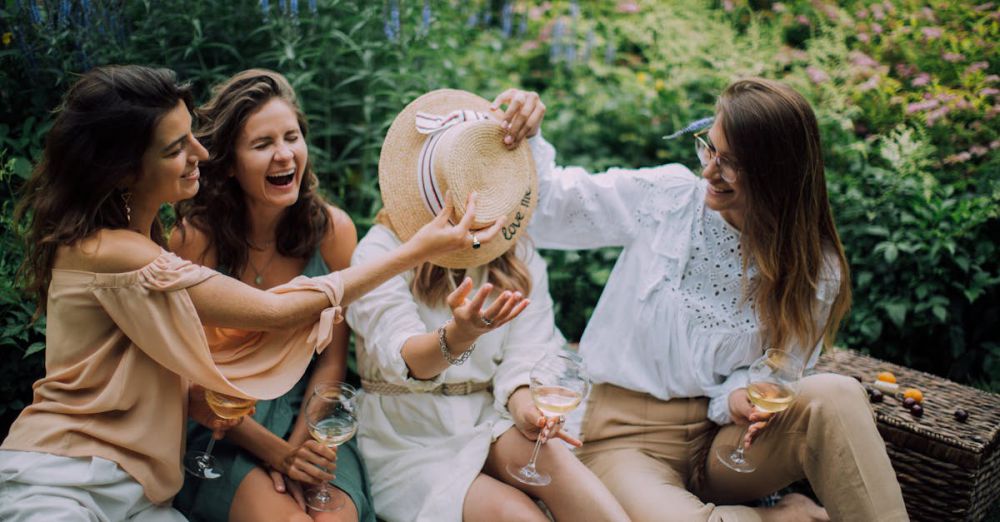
x=22 y=168
x=941 y=313
x=875 y=230
x=891 y=253
x=34 y=348
x=896 y=312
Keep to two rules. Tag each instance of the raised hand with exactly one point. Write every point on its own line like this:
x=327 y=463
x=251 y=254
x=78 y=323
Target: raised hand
x=523 y=116
x=471 y=320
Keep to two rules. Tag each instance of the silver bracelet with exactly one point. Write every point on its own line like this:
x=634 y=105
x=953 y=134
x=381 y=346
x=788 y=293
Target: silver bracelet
x=443 y=344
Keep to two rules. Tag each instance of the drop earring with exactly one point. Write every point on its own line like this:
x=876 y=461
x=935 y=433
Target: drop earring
x=126 y=197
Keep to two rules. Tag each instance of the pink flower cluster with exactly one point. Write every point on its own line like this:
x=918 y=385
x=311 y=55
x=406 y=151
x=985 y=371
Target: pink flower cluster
x=817 y=75
x=974 y=151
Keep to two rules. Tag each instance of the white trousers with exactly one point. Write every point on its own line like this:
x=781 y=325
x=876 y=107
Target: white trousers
x=44 y=487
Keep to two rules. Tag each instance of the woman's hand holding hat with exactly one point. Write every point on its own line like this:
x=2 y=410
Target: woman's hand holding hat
x=439 y=236
x=523 y=116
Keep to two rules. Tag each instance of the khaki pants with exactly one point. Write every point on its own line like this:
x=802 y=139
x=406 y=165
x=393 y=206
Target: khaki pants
x=658 y=457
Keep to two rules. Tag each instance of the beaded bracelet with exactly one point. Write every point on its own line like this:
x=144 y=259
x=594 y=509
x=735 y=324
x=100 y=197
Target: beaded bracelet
x=443 y=344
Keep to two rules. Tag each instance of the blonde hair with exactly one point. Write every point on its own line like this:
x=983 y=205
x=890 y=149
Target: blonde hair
x=431 y=284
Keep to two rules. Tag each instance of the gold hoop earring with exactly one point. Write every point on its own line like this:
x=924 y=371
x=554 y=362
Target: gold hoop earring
x=126 y=197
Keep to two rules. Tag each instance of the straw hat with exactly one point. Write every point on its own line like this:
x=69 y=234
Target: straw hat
x=450 y=141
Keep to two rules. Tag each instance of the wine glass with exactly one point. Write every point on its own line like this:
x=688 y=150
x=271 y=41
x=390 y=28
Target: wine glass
x=331 y=414
x=559 y=383
x=201 y=463
x=773 y=383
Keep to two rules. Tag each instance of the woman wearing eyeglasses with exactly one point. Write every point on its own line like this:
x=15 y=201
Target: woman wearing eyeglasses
x=714 y=270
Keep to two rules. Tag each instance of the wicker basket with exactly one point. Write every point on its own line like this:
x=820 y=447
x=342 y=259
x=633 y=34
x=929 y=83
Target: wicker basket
x=948 y=470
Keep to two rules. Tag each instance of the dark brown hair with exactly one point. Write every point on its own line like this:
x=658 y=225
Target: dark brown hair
x=788 y=226
x=101 y=130
x=220 y=210
x=430 y=284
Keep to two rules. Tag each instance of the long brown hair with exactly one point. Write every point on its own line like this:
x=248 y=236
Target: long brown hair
x=788 y=226
x=102 y=128
x=430 y=282
x=220 y=210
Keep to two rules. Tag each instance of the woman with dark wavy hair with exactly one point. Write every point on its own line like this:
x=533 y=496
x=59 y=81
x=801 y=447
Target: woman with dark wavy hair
x=714 y=270
x=103 y=436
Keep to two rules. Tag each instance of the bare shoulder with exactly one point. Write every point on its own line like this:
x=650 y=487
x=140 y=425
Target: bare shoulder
x=108 y=251
x=340 y=240
x=190 y=242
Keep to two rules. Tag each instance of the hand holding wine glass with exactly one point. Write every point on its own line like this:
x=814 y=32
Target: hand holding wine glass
x=558 y=384
x=773 y=384
x=201 y=463
x=331 y=415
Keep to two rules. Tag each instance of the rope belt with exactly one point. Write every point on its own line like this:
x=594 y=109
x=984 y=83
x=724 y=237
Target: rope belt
x=448 y=388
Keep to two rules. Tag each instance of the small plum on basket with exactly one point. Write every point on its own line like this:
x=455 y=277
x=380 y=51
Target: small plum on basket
x=909 y=403
x=961 y=415
x=875 y=395
x=917 y=410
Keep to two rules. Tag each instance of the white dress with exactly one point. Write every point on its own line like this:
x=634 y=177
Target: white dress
x=671 y=321
x=423 y=451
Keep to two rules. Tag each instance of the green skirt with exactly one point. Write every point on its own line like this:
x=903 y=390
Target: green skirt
x=210 y=500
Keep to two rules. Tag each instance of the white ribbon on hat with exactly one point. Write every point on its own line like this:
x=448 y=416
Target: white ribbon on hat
x=436 y=126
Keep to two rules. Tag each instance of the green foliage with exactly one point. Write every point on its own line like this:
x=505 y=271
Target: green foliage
x=906 y=96
x=21 y=341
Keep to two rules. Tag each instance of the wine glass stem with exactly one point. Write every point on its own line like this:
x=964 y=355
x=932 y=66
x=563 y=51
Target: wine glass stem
x=534 y=453
x=211 y=445
x=738 y=453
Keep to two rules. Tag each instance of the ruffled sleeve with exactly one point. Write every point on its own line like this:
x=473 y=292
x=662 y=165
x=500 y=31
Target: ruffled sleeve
x=531 y=335
x=387 y=317
x=577 y=210
x=153 y=308
x=718 y=404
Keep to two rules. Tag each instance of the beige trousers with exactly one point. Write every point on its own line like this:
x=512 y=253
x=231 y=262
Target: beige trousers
x=658 y=457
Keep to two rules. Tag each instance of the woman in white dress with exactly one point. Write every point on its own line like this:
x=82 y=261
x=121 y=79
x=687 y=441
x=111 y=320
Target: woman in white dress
x=443 y=360
x=713 y=270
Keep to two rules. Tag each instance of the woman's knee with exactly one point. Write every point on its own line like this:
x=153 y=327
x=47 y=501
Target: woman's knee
x=559 y=458
x=827 y=392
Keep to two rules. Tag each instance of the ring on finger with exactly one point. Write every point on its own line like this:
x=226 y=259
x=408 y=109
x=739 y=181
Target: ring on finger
x=486 y=320
x=475 y=242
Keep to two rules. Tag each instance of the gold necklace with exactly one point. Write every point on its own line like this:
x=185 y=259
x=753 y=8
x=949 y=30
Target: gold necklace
x=259 y=278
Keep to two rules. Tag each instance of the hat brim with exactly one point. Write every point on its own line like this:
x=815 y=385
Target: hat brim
x=401 y=194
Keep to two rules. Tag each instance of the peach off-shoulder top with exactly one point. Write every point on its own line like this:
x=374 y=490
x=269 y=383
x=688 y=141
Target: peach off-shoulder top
x=121 y=350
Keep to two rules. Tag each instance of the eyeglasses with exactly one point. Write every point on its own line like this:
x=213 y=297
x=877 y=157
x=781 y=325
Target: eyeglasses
x=708 y=154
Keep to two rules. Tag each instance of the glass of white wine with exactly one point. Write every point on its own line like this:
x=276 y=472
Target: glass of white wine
x=331 y=414
x=201 y=463
x=773 y=383
x=559 y=383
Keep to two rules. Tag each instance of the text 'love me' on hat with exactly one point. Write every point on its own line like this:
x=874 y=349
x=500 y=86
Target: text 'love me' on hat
x=450 y=142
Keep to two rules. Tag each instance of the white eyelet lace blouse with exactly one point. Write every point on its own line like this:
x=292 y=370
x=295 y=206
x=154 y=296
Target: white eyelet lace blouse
x=670 y=322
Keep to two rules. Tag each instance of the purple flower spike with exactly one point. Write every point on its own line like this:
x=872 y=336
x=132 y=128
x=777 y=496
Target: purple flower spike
x=507 y=19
